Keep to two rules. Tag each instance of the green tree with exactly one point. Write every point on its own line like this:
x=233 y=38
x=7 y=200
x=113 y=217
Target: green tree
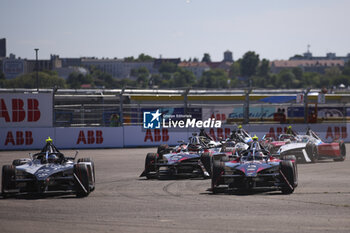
x=215 y=78
x=2 y=76
x=75 y=80
x=264 y=68
x=168 y=67
x=184 y=78
x=297 y=56
x=206 y=58
x=145 y=58
x=249 y=64
x=311 y=79
x=286 y=79
x=298 y=73
x=126 y=83
x=46 y=80
x=235 y=70
x=346 y=70
x=333 y=72
x=129 y=59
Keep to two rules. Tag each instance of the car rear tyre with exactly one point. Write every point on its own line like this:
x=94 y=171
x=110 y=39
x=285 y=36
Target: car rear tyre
x=288 y=176
x=151 y=159
x=8 y=181
x=91 y=173
x=218 y=169
x=342 y=149
x=205 y=159
x=311 y=150
x=82 y=181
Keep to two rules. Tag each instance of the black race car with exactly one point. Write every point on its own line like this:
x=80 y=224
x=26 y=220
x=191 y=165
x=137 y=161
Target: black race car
x=48 y=171
x=183 y=160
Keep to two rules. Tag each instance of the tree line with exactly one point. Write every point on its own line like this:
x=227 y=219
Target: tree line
x=248 y=71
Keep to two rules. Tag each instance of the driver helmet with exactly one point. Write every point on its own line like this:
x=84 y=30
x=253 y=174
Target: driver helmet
x=194 y=147
x=255 y=138
x=52 y=158
x=48 y=140
x=49 y=147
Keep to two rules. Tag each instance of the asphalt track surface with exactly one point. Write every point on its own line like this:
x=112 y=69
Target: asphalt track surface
x=123 y=202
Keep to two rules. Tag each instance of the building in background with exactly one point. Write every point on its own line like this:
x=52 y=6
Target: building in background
x=118 y=68
x=52 y=63
x=159 y=61
x=307 y=56
x=2 y=47
x=228 y=56
x=197 y=68
x=308 y=63
x=13 y=67
x=225 y=64
x=318 y=66
x=71 y=62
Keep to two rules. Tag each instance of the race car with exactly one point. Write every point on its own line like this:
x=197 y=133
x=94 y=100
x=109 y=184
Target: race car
x=273 y=145
x=255 y=169
x=310 y=148
x=182 y=160
x=48 y=171
x=229 y=149
x=240 y=135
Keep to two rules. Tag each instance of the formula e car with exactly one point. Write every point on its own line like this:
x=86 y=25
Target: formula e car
x=240 y=135
x=310 y=148
x=229 y=149
x=48 y=171
x=273 y=145
x=182 y=160
x=255 y=169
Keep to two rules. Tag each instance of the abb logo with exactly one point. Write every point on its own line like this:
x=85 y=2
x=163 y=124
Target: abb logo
x=220 y=133
x=337 y=132
x=157 y=135
x=20 y=138
x=92 y=137
x=219 y=116
x=19 y=114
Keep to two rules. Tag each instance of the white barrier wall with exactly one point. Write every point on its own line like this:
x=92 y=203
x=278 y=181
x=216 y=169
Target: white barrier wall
x=24 y=138
x=99 y=137
x=26 y=110
x=137 y=136
x=34 y=138
x=133 y=136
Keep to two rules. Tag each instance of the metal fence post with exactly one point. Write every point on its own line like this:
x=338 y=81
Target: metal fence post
x=246 y=106
x=121 y=100
x=185 y=99
x=306 y=108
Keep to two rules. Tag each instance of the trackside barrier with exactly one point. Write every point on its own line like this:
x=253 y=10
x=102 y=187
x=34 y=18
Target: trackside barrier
x=135 y=136
x=26 y=110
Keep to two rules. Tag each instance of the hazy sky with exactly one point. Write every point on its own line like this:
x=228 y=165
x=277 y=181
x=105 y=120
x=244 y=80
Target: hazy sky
x=275 y=29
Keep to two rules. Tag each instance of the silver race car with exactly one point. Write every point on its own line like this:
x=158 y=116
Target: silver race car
x=48 y=171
